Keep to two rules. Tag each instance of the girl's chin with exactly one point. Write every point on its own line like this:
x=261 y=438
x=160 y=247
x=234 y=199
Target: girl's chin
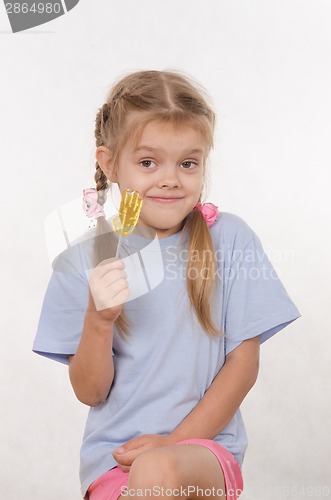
x=161 y=222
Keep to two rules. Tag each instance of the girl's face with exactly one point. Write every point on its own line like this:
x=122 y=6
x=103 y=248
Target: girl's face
x=167 y=168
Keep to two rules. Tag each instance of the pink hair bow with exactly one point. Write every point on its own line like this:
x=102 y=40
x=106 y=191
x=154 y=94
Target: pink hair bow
x=90 y=203
x=209 y=211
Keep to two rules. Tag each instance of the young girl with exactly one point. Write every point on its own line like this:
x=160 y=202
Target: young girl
x=164 y=369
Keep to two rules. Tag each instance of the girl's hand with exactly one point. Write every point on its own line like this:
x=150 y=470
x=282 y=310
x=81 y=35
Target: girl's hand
x=138 y=445
x=108 y=289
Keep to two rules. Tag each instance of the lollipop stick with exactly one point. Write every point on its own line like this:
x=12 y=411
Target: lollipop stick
x=118 y=245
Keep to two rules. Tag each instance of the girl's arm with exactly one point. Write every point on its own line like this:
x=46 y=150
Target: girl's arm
x=91 y=369
x=224 y=396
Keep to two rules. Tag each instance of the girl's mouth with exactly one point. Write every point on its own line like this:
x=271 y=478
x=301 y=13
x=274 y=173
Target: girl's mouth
x=164 y=200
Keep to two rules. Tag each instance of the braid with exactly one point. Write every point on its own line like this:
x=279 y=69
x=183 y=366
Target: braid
x=99 y=177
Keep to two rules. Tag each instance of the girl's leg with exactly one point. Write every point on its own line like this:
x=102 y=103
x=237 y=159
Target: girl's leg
x=181 y=471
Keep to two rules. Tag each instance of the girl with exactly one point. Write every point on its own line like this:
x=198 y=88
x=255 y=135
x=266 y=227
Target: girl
x=165 y=374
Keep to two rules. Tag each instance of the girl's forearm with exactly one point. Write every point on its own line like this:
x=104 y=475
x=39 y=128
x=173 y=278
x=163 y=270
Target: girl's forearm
x=91 y=369
x=224 y=396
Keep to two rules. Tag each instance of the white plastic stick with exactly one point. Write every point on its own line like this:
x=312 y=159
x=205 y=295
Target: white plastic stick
x=118 y=245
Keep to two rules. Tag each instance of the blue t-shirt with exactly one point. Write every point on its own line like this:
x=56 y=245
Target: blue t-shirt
x=168 y=362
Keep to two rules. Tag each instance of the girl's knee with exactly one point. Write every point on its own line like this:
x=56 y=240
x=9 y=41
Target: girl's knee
x=155 y=468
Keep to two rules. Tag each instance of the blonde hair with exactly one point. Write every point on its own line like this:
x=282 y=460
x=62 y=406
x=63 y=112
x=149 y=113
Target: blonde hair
x=168 y=97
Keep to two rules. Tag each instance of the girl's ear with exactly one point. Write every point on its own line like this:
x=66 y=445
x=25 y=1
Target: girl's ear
x=104 y=158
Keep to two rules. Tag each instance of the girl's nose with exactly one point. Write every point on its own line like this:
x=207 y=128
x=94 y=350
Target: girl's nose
x=169 y=178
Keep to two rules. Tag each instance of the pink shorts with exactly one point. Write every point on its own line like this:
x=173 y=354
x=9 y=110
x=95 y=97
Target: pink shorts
x=110 y=485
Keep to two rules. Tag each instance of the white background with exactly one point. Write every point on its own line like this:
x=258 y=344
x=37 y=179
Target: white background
x=266 y=66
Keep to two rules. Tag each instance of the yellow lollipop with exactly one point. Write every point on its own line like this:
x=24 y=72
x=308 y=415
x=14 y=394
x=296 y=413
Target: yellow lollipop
x=126 y=219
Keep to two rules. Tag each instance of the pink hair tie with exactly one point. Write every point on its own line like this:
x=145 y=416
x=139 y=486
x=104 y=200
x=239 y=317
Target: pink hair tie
x=90 y=203
x=209 y=211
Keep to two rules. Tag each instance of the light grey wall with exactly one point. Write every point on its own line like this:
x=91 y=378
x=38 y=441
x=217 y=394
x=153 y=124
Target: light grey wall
x=267 y=67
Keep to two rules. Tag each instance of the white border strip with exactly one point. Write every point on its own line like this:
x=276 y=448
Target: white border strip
x=64 y=6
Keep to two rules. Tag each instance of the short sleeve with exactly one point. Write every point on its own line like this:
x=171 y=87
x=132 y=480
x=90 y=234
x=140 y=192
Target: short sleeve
x=256 y=302
x=63 y=311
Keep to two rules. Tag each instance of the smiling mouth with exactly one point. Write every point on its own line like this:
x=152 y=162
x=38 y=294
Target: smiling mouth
x=164 y=199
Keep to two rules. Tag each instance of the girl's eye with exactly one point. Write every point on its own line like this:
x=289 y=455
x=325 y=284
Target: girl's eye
x=146 y=163
x=186 y=164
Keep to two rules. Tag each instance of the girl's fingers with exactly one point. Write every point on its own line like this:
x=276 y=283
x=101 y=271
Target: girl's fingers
x=124 y=468
x=110 y=278
x=115 y=288
x=108 y=284
x=106 y=302
x=135 y=443
x=108 y=265
x=114 y=280
x=127 y=458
